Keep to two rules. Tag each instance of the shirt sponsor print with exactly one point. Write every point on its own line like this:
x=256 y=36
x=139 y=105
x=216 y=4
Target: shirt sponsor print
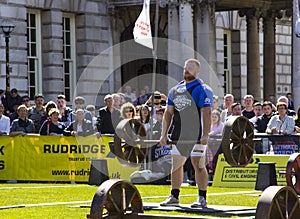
x=181 y=102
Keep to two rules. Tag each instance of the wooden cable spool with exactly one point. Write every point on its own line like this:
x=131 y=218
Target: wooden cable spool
x=115 y=199
x=293 y=172
x=130 y=153
x=278 y=202
x=237 y=142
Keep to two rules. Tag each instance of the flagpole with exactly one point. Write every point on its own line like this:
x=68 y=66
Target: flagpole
x=154 y=53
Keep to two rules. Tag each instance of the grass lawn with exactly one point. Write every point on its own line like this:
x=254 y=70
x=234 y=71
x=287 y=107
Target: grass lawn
x=30 y=200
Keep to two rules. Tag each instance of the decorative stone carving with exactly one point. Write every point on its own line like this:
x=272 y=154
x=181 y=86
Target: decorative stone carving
x=206 y=5
x=250 y=13
x=183 y=3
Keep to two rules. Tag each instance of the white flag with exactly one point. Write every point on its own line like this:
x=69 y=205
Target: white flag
x=297 y=23
x=142 y=28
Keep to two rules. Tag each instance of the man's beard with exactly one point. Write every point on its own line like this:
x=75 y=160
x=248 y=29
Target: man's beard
x=189 y=77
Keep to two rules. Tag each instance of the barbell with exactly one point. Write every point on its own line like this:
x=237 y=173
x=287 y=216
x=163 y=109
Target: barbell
x=131 y=146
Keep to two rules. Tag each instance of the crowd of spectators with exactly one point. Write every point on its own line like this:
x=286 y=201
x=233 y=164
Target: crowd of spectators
x=21 y=116
x=270 y=116
x=18 y=113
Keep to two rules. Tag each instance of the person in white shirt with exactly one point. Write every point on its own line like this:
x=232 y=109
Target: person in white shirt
x=4 y=122
x=228 y=101
x=129 y=94
x=281 y=123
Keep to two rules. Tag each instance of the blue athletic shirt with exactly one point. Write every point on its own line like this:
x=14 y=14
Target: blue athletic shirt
x=202 y=95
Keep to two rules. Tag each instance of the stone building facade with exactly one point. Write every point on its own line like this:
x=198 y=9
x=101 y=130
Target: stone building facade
x=85 y=47
x=235 y=29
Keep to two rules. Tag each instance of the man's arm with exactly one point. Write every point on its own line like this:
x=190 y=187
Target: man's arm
x=206 y=115
x=166 y=122
x=99 y=121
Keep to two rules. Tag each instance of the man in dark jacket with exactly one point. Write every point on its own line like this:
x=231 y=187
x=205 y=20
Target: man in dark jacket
x=12 y=98
x=109 y=117
x=262 y=121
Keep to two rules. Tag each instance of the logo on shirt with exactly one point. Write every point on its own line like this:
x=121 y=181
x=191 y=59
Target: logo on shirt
x=207 y=100
x=181 y=89
x=181 y=102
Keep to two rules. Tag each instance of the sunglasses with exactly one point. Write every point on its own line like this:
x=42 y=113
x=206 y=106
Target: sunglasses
x=128 y=111
x=281 y=107
x=25 y=101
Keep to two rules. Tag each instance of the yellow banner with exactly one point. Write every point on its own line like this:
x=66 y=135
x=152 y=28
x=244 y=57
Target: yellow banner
x=245 y=177
x=56 y=158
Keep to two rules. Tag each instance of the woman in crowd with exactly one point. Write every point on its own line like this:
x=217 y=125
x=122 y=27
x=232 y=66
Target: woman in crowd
x=22 y=125
x=80 y=126
x=128 y=111
x=52 y=126
x=281 y=123
x=50 y=105
x=145 y=117
x=216 y=124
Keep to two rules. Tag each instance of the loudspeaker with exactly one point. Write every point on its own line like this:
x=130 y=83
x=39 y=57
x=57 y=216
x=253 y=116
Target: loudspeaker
x=266 y=175
x=98 y=172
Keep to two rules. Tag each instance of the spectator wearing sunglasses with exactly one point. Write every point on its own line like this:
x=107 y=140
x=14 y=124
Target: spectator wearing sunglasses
x=128 y=111
x=157 y=98
x=25 y=100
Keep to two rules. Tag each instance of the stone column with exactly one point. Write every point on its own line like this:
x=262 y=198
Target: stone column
x=93 y=60
x=296 y=60
x=114 y=28
x=206 y=39
x=253 y=55
x=174 y=52
x=269 y=75
x=52 y=53
x=186 y=29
